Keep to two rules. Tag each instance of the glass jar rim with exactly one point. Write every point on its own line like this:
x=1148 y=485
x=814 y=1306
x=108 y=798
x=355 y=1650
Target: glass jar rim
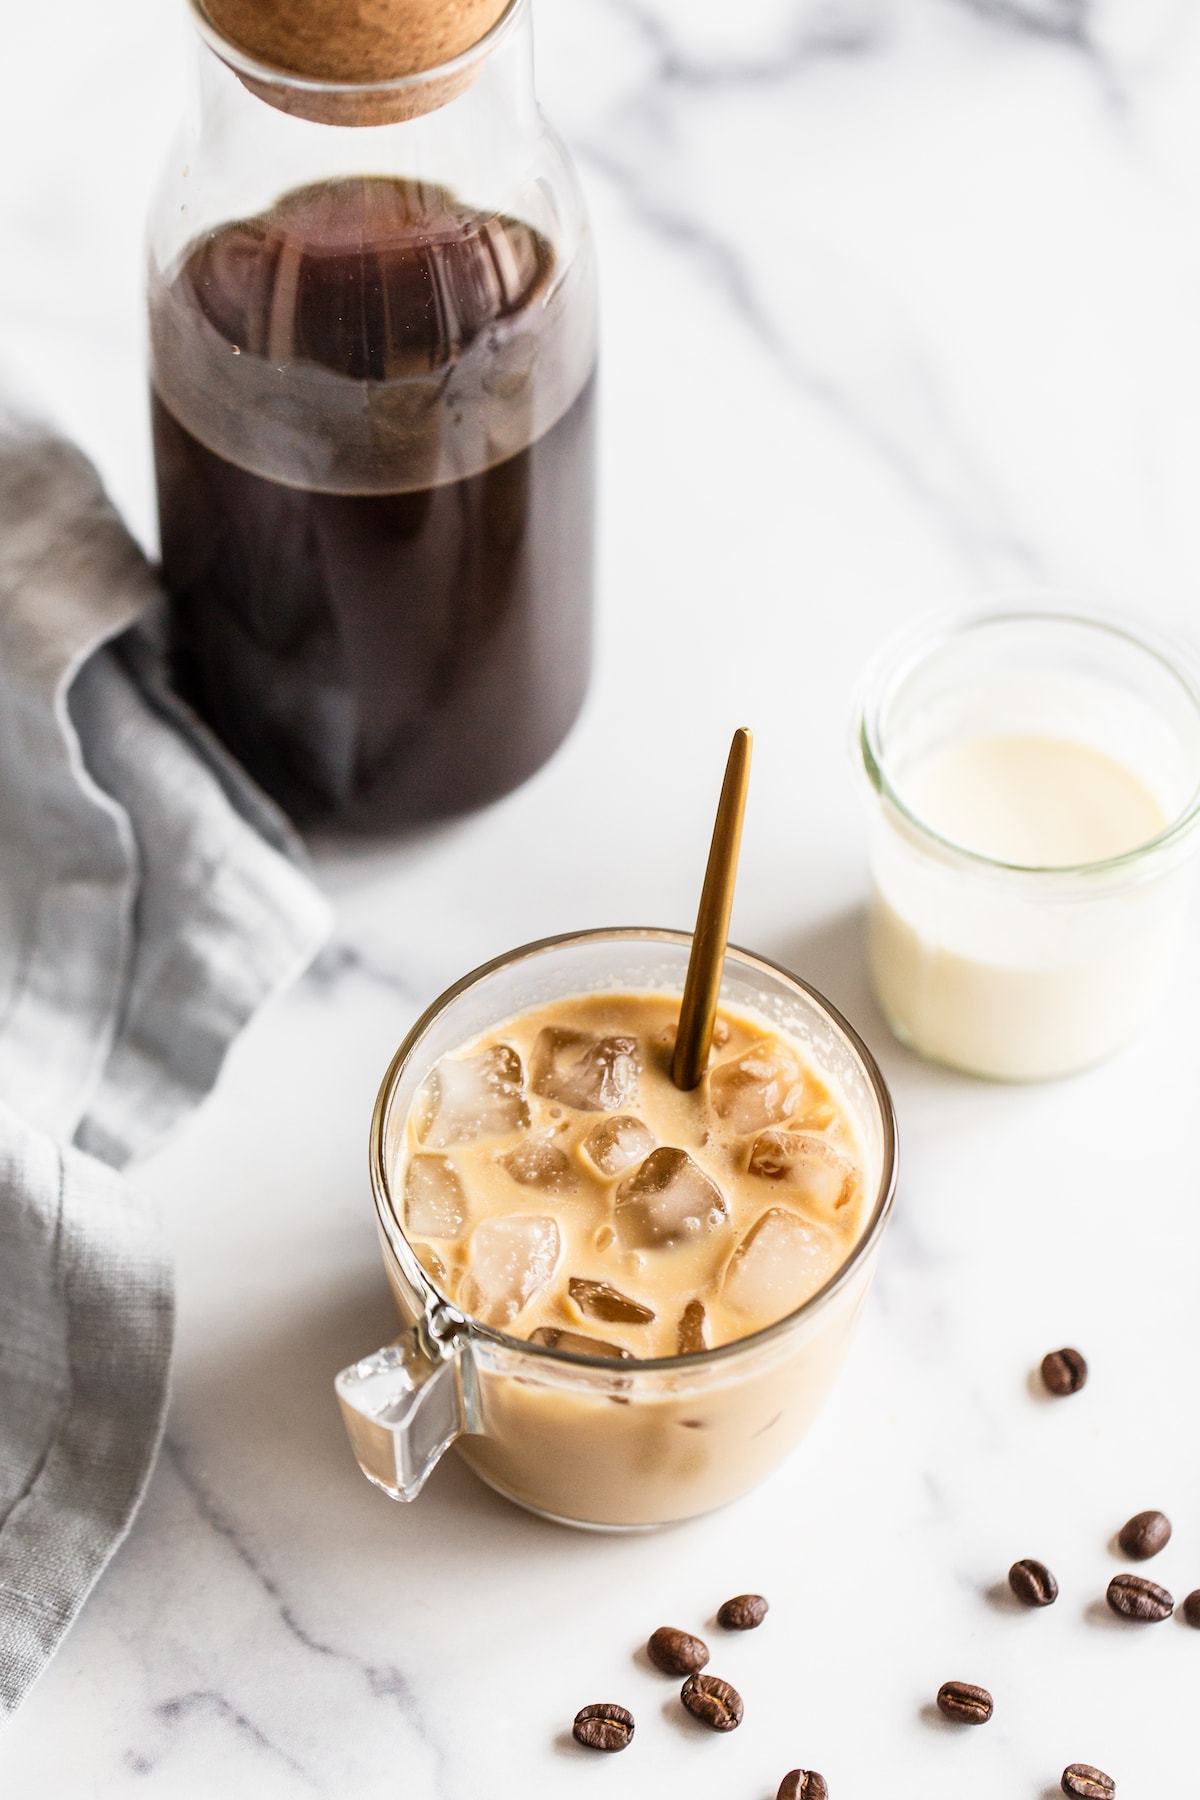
x=868 y=1238
x=903 y=653
x=253 y=69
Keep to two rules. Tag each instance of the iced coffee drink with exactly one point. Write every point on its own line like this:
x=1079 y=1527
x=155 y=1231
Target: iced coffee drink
x=623 y=1303
x=559 y=1186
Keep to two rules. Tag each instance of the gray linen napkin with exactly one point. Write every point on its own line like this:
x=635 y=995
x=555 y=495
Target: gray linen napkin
x=150 y=902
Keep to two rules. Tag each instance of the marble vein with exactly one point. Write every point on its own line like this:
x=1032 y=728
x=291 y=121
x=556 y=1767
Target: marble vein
x=1070 y=23
x=383 y=1681
x=211 y=1701
x=1063 y=21
x=974 y=520
x=341 y=960
x=834 y=32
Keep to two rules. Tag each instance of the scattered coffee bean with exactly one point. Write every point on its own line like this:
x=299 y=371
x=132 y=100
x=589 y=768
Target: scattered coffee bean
x=1064 y=1371
x=803 y=1784
x=1191 y=1608
x=1083 y=1782
x=743 y=1613
x=1145 y=1535
x=1136 y=1598
x=713 y=1702
x=1032 y=1583
x=603 y=1727
x=964 y=1703
x=676 y=1652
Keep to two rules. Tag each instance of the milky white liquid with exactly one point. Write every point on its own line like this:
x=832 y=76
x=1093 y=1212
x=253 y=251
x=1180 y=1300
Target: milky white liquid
x=1002 y=979
x=1040 y=802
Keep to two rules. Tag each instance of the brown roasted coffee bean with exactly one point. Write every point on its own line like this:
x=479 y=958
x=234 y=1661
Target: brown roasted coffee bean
x=676 y=1652
x=743 y=1613
x=964 y=1703
x=1064 y=1371
x=603 y=1726
x=1032 y=1583
x=713 y=1702
x=1136 y=1598
x=1083 y=1782
x=803 y=1784
x=1145 y=1535
x=1191 y=1608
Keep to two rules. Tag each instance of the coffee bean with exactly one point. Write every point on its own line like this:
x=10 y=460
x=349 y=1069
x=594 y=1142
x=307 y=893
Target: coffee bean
x=965 y=1704
x=676 y=1652
x=1032 y=1583
x=1191 y=1608
x=743 y=1613
x=1083 y=1782
x=603 y=1726
x=803 y=1784
x=713 y=1702
x=1136 y=1598
x=1064 y=1371
x=1145 y=1535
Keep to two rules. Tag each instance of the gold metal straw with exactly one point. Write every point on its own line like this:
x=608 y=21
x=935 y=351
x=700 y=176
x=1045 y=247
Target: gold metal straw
x=699 y=1009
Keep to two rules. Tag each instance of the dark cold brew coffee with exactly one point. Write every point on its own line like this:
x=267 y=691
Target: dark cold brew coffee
x=373 y=435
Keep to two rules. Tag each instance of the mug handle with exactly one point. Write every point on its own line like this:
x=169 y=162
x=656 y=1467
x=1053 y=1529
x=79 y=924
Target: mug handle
x=404 y=1406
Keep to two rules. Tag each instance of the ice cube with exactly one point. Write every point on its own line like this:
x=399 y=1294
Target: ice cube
x=758 y=1088
x=811 y=1168
x=434 y=1202
x=616 y=1143
x=690 y=1336
x=555 y=1338
x=821 y=1115
x=469 y=1097
x=781 y=1261
x=511 y=1259
x=431 y=1262
x=601 y=1301
x=592 y=1074
x=667 y=1199
x=537 y=1164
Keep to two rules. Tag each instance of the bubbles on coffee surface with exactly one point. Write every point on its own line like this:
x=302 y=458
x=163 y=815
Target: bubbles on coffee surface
x=674 y=1223
x=510 y=1260
x=615 y=1144
x=668 y=1199
x=468 y=1097
x=780 y=1262
x=592 y=1074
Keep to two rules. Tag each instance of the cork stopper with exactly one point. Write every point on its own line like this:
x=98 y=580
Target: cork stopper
x=330 y=48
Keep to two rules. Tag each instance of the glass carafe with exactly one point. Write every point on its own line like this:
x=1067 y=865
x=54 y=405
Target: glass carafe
x=373 y=334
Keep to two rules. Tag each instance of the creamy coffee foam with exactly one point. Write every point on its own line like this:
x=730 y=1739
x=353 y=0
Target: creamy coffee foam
x=557 y=1185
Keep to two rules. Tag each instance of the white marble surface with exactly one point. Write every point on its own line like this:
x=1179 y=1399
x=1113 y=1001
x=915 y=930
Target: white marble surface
x=901 y=302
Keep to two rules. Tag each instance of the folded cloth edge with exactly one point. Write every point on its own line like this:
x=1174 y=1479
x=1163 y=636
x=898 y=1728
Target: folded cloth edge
x=86 y=1336
x=101 y=1449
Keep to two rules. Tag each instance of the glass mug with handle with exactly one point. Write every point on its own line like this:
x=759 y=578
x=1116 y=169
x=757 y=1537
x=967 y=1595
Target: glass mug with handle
x=581 y=1439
